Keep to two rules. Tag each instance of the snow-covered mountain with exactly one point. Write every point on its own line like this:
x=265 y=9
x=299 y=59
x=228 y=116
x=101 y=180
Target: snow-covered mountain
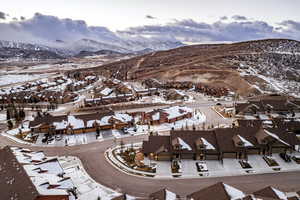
x=67 y=49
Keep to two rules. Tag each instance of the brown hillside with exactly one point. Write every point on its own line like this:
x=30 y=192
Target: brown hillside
x=214 y=64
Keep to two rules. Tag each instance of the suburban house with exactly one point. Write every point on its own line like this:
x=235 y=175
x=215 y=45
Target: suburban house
x=74 y=124
x=237 y=142
x=30 y=175
x=112 y=99
x=224 y=191
x=217 y=191
x=174 y=94
x=166 y=115
x=268 y=104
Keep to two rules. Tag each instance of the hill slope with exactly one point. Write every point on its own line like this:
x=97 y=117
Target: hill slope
x=246 y=67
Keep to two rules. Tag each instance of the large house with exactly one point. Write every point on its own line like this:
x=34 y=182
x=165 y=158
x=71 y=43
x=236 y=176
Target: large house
x=268 y=104
x=166 y=115
x=237 y=142
x=223 y=191
x=73 y=124
x=30 y=175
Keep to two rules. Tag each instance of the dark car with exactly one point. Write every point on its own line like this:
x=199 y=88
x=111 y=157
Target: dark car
x=201 y=167
x=285 y=157
x=244 y=164
x=44 y=140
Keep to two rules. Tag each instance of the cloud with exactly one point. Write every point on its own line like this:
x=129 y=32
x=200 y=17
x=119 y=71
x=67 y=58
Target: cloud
x=239 y=17
x=47 y=29
x=191 y=31
x=2 y=15
x=50 y=28
x=150 y=17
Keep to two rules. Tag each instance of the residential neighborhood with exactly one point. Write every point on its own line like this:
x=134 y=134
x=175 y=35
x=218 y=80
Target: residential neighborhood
x=150 y=100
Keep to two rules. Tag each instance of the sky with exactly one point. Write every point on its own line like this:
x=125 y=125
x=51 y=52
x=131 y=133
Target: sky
x=121 y=14
x=117 y=21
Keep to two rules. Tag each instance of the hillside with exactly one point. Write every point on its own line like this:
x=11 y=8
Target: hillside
x=271 y=65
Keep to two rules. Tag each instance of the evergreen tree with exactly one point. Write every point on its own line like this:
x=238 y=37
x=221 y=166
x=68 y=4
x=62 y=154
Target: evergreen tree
x=8 y=114
x=9 y=124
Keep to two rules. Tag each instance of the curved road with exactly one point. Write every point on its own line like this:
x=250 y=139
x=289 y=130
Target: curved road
x=92 y=157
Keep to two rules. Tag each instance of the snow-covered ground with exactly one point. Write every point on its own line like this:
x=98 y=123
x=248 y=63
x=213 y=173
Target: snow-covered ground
x=280 y=85
x=88 y=189
x=11 y=79
x=2 y=116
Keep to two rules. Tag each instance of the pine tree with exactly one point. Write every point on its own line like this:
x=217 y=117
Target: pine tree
x=9 y=124
x=8 y=114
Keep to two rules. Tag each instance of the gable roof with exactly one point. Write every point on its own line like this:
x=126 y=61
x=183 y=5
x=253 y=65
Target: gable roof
x=220 y=191
x=163 y=194
x=271 y=193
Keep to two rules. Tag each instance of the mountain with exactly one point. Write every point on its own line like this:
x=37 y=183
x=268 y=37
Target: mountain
x=61 y=49
x=82 y=54
x=28 y=51
x=251 y=67
x=92 y=45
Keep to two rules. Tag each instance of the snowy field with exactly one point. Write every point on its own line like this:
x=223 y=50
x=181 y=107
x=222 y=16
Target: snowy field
x=11 y=79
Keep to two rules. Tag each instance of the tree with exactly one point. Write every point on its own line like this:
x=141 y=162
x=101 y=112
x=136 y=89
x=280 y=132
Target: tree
x=122 y=145
x=10 y=124
x=8 y=114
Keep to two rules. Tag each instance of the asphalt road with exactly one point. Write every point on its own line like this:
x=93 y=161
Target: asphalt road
x=92 y=157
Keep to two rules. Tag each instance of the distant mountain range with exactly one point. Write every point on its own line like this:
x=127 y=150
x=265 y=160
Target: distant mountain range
x=61 y=49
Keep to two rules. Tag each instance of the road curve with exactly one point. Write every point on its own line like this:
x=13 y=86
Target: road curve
x=93 y=159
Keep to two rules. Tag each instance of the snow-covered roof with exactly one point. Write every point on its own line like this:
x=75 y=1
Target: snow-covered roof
x=106 y=91
x=263 y=117
x=177 y=111
x=184 y=145
x=123 y=117
x=276 y=137
x=156 y=116
x=170 y=195
x=43 y=172
x=233 y=193
x=246 y=142
x=207 y=144
x=75 y=123
x=280 y=194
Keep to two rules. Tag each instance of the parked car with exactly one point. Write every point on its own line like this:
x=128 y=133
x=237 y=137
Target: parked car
x=285 y=157
x=58 y=137
x=245 y=164
x=296 y=159
x=44 y=140
x=201 y=167
x=50 y=139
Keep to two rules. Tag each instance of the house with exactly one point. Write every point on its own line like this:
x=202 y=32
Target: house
x=166 y=115
x=74 y=124
x=237 y=142
x=24 y=177
x=268 y=104
x=173 y=94
x=272 y=193
x=220 y=191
